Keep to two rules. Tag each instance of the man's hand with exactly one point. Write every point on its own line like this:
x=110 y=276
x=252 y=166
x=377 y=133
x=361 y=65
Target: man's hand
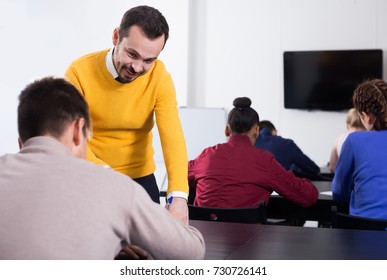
x=179 y=209
x=133 y=252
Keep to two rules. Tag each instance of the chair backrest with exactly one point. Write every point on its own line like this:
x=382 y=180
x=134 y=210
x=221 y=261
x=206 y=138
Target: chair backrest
x=249 y=215
x=341 y=220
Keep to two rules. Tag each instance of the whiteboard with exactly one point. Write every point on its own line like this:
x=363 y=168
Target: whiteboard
x=202 y=128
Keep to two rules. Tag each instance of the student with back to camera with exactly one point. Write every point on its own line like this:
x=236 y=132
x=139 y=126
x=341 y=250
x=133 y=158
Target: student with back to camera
x=286 y=151
x=353 y=123
x=236 y=174
x=360 y=176
x=56 y=205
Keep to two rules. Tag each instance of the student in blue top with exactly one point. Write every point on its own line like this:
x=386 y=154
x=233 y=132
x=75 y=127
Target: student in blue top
x=361 y=172
x=285 y=151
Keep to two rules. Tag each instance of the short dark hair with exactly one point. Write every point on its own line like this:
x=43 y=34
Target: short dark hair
x=47 y=106
x=242 y=117
x=149 y=19
x=371 y=97
x=266 y=124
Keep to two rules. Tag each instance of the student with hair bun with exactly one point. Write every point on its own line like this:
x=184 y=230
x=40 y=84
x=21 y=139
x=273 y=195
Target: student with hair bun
x=236 y=174
x=361 y=172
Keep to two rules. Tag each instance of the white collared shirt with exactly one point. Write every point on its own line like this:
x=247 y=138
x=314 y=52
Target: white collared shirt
x=110 y=65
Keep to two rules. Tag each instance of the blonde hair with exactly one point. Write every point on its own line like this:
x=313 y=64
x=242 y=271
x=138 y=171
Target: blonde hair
x=353 y=119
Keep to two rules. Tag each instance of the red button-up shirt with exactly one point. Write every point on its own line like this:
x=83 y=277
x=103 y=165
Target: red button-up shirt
x=236 y=174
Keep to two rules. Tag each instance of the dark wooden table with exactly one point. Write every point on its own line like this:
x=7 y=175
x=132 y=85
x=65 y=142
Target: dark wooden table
x=268 y=242
x=281 y=208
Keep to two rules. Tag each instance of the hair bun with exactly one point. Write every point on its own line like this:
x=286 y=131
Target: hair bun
x=242 y=102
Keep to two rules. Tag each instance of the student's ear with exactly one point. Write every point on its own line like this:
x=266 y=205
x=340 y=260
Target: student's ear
x=256 y=131
x=78 y=136
x=368 y=120
x=79 y=141
x=227 y=131
x=19 y=141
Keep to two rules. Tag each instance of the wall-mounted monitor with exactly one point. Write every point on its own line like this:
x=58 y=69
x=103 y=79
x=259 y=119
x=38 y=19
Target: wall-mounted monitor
x=325 y=80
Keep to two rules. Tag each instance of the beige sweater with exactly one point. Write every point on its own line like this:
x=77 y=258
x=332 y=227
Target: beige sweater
x=56 y=206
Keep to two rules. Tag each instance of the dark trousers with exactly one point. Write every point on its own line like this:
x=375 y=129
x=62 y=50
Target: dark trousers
x=150 y=185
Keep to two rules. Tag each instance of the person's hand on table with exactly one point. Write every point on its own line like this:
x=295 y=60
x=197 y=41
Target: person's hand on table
x=179 y=209
x=133 y=252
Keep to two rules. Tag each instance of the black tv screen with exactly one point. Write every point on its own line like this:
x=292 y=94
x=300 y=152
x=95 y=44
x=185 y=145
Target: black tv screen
x=325 y=80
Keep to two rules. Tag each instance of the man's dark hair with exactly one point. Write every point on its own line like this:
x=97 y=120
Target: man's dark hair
x=242 y=117
x=47 y=106
x=149 y=19
x=266 y=124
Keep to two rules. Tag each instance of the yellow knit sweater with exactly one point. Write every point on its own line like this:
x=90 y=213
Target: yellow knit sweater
x=123 y=117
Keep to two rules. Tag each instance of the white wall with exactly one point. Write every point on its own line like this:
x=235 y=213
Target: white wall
x=218 y=50
x=42 y=37
x=243 y=42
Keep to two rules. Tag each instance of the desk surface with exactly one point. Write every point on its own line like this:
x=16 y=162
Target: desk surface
x=323 y=186
x=270 y=242
x=281 y=208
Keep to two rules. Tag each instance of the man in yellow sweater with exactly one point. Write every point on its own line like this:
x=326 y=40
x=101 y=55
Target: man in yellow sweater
x=126 y=87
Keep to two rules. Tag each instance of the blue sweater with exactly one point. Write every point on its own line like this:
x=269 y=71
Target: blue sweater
x=361 y=174
x=287 y=153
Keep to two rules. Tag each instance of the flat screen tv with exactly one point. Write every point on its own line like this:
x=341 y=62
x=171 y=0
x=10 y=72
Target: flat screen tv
x=325 y=80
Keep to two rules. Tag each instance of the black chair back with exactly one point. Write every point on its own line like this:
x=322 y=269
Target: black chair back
x=249 y=215
x=341 y=220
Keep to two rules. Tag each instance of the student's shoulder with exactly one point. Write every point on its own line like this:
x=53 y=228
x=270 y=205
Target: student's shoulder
x=262 y=153
x=279 y=140
x=104 y=175
x=211 y=150
x=356 y=136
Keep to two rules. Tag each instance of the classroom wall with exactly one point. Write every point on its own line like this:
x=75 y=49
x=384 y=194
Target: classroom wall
x=218 y=50
x=242 y=45
x=42 y=37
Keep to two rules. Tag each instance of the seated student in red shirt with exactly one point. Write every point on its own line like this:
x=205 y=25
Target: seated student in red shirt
x=236 y=174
